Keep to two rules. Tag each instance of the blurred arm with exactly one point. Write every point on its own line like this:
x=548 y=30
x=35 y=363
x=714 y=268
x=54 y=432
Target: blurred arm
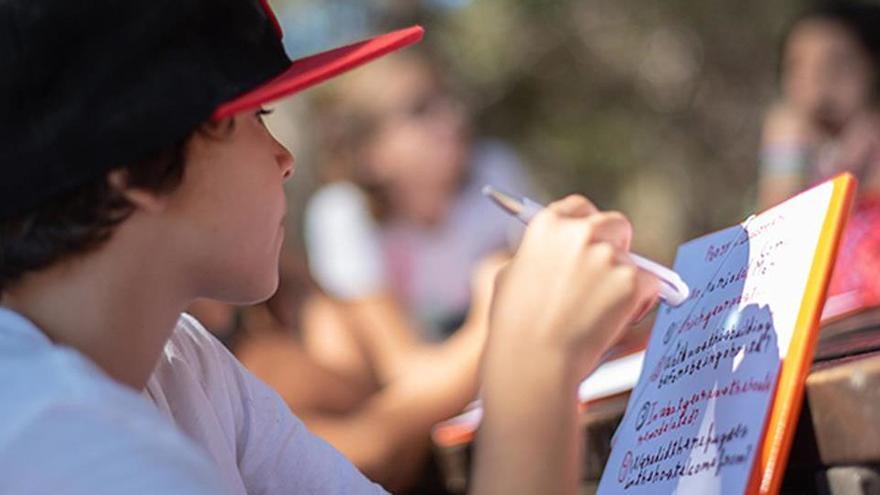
x=303 y=384
x=388 y=436
x=787 y=142
x=384 y=433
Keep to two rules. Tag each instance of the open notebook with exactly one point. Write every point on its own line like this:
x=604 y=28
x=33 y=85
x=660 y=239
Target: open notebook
x=611 y=378
x=715 y=406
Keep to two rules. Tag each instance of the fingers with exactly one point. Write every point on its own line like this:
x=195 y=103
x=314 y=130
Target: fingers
x=646 y=294
x=604 y=238
x=633 y=290
x=574 y=205
x=571 y=285
x=607 y=226
x=611 y=227
x=639 y=288
x=595 y=226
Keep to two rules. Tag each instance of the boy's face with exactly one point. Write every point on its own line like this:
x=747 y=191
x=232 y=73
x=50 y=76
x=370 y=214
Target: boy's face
x=227 y=214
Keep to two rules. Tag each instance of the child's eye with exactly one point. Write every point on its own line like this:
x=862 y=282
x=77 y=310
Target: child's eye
x=263 y=112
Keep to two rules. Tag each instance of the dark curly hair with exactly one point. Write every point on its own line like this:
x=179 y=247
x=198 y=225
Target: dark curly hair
x=82 y=219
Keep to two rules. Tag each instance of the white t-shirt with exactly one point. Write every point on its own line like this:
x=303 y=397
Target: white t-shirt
x=248 y=430
x=427 y=269
x=66 y=427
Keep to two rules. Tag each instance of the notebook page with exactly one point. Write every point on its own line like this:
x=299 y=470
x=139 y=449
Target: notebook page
x=695 y=420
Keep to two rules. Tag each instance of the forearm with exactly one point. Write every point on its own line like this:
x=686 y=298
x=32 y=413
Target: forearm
x=393 y=344
x=384 y=333
x=388 y=438
x=396 y=351
x=528 y=441
x=303 y=384
x=559 y=305
x=370 y=440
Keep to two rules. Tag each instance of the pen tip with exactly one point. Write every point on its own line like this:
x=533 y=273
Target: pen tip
x=488 y=190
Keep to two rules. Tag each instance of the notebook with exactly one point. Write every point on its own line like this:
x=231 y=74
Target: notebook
x=720 y=391
x=611 y=378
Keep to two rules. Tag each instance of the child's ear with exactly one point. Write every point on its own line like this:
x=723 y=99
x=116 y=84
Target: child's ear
x=142 y=199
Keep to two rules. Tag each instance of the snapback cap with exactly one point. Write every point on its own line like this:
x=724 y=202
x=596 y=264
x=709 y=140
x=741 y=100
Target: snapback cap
x=309 y=71
x=91 y=86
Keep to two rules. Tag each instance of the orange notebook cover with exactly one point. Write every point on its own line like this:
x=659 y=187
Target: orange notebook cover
x=779 y=433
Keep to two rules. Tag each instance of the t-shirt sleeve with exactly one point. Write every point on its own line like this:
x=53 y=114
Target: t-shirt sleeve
x=103 y=453
x=277 y=454
x=342 y=240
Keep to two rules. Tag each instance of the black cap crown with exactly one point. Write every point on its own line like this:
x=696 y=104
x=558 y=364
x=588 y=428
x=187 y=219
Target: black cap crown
x=91 y=85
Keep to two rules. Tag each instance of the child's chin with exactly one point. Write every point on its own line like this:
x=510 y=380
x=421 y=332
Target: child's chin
x=255 y=292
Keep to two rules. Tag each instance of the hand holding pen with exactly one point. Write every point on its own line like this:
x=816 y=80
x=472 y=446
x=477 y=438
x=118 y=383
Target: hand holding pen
x=672 y=288
x=568 y=294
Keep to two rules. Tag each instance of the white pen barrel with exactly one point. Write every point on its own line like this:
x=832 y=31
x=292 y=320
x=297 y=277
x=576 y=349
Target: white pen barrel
x=530 y=209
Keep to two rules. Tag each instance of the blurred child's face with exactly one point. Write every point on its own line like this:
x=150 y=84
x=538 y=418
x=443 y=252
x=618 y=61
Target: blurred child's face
x=228 y=212
x=419 y=148
x=826 y=73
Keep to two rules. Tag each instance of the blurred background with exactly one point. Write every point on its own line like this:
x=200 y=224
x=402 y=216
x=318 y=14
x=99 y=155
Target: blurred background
x=654 y=108
x=686 y=115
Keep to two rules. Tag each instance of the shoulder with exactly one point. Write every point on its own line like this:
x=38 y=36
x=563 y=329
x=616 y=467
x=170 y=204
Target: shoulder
x=338 y=214
x=191 y=338
x=67 y=427
x=192 y=356
x=243 y=424
x=198 y=381
x=344 y=242
x=338 y=195
x=38 y=376
x=86 y=447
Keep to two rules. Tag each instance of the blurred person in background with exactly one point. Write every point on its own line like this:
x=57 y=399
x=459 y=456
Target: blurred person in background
x=395 y=233
x=826 y=122
x=383 y=428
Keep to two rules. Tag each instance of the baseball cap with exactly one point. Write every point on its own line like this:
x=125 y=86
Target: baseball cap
x=91 y=86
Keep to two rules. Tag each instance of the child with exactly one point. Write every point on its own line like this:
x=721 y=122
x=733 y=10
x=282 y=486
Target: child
x=137 y=176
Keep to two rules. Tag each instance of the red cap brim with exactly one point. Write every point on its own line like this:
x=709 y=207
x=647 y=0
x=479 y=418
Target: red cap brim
x=309 y=71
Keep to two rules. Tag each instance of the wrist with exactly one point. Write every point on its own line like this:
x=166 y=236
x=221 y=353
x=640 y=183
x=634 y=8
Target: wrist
x=530 y=412
x=525 y=349
x=529 y=370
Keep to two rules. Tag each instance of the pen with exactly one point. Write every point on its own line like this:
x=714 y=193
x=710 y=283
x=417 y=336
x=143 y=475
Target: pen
x=673 y=290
